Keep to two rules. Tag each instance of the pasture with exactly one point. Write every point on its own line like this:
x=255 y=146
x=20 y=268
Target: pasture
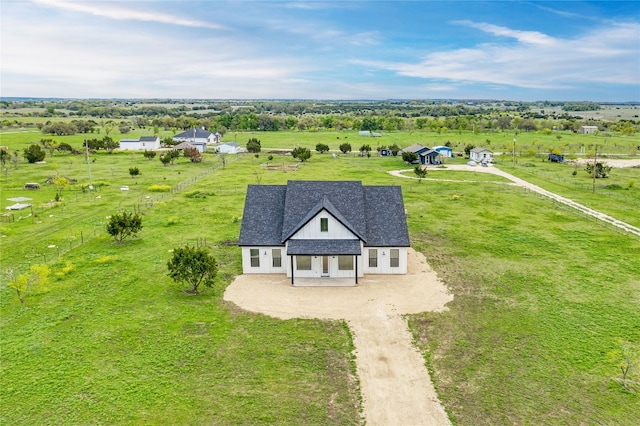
x=541 y=295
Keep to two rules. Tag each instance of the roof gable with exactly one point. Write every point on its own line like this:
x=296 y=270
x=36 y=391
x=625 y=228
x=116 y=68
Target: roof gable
x=414 y=148
x=479 y=150
x=324 y=205
x=345 y=198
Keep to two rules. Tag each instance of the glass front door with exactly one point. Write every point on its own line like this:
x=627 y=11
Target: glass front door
x=325 y=266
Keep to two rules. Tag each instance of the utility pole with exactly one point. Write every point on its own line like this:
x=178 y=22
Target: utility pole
x=514 y=149
x=86 y=145
x=595 y=169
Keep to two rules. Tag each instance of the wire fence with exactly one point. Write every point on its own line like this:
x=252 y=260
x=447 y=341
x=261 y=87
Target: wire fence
x=78 y=235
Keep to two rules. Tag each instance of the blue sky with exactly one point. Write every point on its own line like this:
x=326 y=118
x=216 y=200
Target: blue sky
x=512 y=50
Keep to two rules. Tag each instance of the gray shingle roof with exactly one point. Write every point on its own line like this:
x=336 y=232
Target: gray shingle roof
x=324 y=247
x=386 y=221
x=148 y=138
x=304 y=196
x=478 y=150
x=274 y=213
x=200 y=133
x=262 y=217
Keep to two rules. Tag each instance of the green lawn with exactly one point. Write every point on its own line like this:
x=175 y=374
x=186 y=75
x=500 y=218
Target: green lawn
x=541 y=295
x=617 y=195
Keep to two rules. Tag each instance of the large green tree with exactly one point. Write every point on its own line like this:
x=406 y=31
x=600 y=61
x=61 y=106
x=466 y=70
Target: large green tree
x=124 y=225
x=193 y=267
x=33 y=153
x=345 y=147
x=253 y=145
x=301 y=153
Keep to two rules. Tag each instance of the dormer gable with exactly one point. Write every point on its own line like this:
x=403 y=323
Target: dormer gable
x=311 y=225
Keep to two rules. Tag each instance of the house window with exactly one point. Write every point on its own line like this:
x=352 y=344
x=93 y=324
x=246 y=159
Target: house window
x=303 y=263
x=373 y=258
x=277 y=258
x=255 y=258
x=345 y=263
x=324 y=224
x=394 y=258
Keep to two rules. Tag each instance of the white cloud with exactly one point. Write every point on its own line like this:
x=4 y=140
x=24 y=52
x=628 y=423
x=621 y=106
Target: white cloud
x=538 y=61
x=530 y=37
x=117 y=12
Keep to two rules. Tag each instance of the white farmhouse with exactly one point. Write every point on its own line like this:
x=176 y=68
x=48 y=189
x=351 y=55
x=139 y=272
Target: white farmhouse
x=322 y=230
x=145 y=143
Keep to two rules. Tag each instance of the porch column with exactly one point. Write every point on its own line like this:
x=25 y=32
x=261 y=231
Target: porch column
x=291 y=257
x=356 y=256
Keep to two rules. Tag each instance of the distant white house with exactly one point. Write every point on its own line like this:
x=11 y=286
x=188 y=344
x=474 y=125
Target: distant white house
x=480 y=155
x=369 y=134
x=588 y=130
x=229 y=148
x=145 y=143
x=198 y=137
x=445 y=151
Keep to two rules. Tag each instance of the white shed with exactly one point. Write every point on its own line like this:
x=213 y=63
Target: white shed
x=588 y=130
x=229 y=148
x=145 y=143
x=480 y=155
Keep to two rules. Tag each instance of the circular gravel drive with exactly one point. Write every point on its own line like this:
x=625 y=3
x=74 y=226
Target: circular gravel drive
x=396 y=387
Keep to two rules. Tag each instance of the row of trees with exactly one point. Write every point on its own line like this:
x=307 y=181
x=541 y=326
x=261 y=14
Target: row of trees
x=243 y=121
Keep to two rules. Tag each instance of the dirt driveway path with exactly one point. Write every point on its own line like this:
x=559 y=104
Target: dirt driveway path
x=396 y=387
x=531 y=187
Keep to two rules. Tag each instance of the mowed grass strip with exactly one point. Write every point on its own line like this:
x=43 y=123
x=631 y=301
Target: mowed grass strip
x=541 y=295
x=617 y=195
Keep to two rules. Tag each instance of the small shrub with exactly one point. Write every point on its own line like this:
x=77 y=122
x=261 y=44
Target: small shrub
x=630 y=184
x=528 y=165
x=614 y=187
x=159 y=188
x=66 y=270
x=105 y=259
x=198 y=194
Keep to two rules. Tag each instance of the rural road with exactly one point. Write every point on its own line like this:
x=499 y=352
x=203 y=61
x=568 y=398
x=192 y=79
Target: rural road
x=531 y=187
x=395 y=384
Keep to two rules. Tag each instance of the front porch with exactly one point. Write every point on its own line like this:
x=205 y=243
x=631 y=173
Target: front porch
x=325 y=282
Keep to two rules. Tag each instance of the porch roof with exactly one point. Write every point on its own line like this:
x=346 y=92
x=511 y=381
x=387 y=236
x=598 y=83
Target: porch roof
x=323 y=247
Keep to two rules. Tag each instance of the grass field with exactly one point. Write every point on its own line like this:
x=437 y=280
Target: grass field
x=528 y=143
x=541 y=295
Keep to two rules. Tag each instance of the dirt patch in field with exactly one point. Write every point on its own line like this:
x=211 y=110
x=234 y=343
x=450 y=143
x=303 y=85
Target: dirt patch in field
x=395 y=383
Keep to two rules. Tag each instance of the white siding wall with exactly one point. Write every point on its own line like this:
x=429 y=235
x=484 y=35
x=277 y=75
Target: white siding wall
x=130 y=145
x=139 y=146
x=150 y=146
x=384 y=263
x=480 y=156
x=266 y=261
x=311 y=231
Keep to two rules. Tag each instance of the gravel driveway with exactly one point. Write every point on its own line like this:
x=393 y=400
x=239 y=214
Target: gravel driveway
x=395 y=383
